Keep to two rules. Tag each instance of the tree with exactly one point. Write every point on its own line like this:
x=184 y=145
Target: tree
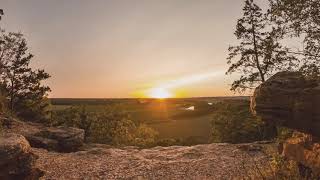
x=1 y=13
x=1 y=41
x=23 y=85
x=259 y=53
x=2 y=98
x=300 y=18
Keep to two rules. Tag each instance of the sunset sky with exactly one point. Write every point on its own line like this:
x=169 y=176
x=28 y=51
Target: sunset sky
x=123 y=48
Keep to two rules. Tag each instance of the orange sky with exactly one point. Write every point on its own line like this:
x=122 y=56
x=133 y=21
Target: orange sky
x=116 y=48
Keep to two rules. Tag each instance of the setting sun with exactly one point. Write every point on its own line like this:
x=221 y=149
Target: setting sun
x=160 y=93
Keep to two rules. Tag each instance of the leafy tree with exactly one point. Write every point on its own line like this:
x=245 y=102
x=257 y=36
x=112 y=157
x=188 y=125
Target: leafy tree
x=259 y=53
x=3 y=104
x=1 y=13
x=23 y=85
x=300 y=18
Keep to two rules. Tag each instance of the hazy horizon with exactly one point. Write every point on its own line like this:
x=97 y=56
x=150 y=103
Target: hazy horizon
x=121 y=49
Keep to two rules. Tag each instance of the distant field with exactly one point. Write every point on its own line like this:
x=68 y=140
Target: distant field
x=170 y=117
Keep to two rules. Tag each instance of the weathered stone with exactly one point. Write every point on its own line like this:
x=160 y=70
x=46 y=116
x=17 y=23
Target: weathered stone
x=61 y=139
x=41 y=142
x=291 y=100
x=16 y=159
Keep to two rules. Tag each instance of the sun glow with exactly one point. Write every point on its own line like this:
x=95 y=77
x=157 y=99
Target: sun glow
x=160 y=93
x=174 y=88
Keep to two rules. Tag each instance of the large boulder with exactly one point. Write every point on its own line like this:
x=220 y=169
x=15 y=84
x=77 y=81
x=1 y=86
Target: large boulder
x=61 y=139
x=289 y=99
x=16 y=159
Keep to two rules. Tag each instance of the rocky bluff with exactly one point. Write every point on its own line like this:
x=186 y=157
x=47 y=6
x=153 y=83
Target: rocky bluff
x=291 y=100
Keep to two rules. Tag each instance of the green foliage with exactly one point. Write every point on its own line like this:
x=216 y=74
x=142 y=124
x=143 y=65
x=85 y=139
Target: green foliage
x=75 y=116
x=167 y=117
x=113 y=126
x=234 y=123
x=283 y=168
x=300 y=18
x=279 y=168
x=284 y=133
x=145 y=136
x=264 y=36
x=22 y=85
x=259 y=54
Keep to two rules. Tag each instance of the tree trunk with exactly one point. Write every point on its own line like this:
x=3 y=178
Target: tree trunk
x=256 y=49
x=12 y=95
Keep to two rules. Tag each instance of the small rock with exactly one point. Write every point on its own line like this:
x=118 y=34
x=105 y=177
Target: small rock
x=250 y=147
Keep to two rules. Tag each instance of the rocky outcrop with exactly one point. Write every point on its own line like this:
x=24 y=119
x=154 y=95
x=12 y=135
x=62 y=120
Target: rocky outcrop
x=289 y=99
x=16 y=159
x=60 y=139
x=209 y=161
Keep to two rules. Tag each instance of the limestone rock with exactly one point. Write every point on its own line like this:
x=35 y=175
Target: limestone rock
x=291 y=100
x=16 y=159
x=61 y=139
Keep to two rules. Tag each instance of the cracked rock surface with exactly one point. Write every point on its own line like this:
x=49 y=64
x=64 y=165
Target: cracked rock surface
x=211 y=161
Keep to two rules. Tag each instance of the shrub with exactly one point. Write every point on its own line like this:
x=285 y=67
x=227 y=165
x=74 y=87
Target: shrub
x=113 y=125
x=283 y=168
x=234 y=123
x=284 y=133
x=36 y=110
x=145 y=136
